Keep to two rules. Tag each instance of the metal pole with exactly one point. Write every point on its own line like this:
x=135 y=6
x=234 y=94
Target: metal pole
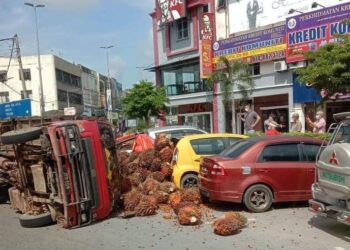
x=42 y=103
x=109 y=87
x=68 y=104
x=18 y=51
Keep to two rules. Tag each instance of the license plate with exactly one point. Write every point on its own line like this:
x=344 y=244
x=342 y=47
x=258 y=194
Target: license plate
x=336 y=178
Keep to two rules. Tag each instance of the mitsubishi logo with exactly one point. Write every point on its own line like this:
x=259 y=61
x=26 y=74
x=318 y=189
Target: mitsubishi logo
x=334 y=159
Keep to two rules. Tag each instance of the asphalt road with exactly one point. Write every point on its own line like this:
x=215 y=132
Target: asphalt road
x=284 y=227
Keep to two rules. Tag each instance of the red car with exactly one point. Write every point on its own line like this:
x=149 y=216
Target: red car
x=260 y=171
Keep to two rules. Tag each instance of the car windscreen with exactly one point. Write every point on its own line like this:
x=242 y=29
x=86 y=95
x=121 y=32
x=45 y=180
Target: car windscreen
x=237 y=148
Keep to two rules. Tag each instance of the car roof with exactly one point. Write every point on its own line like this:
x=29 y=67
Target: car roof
x=213 y=135
x=169 y=128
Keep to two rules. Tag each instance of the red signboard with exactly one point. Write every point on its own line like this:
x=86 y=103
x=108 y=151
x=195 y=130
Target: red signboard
x=170 y=10
x=206 y=26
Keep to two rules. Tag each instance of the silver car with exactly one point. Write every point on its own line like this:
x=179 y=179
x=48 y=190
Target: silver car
x=175 y=132
x=331 y=192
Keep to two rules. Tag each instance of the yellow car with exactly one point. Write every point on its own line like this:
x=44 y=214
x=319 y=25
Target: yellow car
x=191 y=148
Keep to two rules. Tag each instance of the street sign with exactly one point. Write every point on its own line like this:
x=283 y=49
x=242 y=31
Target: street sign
x=70 y=111
x=18 y=108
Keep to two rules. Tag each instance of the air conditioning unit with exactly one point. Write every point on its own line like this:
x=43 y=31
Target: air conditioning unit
x=280 y=66
x=296 y=65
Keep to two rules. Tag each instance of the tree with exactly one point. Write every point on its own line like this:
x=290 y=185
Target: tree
x=143 y=101
x=233 y=74
x=329 y=68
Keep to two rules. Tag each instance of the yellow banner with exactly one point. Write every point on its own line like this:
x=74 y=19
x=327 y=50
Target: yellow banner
x=254 y=52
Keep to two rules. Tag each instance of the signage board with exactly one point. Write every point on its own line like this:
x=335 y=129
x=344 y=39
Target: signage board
x=309 y=31
x=259 y=46
x=247 y=15
x=170 y=10
x=206 y=26
x=70 y=111
x=14 y=109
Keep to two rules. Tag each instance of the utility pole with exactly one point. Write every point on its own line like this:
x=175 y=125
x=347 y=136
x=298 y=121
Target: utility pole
x=19 y=59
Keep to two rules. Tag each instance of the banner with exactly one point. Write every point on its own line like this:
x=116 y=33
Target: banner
x=309 y=31
x=206 y=26
x=170 y=10
x=263 y=45
x=247 y=15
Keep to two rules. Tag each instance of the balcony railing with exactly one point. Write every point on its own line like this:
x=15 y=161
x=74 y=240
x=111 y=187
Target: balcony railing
x=186 y=88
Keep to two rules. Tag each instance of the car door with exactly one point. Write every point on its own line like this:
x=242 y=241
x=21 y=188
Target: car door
x=280 y=164
x=310 y=151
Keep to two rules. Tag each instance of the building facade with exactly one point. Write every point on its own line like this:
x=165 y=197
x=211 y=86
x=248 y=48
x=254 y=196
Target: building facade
x=264 y=34
x=64 y=85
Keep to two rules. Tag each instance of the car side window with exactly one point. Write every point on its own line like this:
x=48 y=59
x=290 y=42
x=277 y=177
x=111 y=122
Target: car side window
x=310 y=151
x=280 y=152
x=208 y=146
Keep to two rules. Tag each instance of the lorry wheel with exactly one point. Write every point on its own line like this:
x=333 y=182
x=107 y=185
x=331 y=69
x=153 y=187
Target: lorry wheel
x=35 y=220
x=258 y=198
x=21 y=135
x=189 y=180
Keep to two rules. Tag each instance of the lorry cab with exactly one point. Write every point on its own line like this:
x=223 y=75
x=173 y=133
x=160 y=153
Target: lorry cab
x=331 y=191
x=73 y=179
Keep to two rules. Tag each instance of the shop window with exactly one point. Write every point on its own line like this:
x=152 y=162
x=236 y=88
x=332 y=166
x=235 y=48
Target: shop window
x=3 y=76
x=255 y=69
x=4 y=97
x=221 y=4
x=29 y=94
x=26 y=73
x=62 y=95
x=182 y=28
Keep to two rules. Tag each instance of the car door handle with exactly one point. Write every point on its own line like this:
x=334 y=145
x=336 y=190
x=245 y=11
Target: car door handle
x=263 y=170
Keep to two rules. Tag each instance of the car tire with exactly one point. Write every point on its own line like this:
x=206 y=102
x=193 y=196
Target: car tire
x=21 y=135
x=189 y=180
x=40 y=220
x=258 y=198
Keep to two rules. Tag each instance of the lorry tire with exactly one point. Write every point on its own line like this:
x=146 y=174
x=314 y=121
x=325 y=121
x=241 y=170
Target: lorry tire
x=21 y=135
x=258 y=198
x=35 y=220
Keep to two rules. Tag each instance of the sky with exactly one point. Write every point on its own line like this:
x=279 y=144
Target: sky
x=76 y=29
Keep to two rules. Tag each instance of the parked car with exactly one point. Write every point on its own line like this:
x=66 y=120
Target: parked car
x=261 y=170
x=175 y=131
x=191 y=148
x=331 y=191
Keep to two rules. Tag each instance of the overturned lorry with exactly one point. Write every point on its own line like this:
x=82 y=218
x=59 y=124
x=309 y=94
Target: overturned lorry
x=331 y=191
x=64 y=172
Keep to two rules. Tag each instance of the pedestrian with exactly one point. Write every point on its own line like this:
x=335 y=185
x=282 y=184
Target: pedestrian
x=319 y=125
x=250 y=119
x=271 y=129
x=296 y=124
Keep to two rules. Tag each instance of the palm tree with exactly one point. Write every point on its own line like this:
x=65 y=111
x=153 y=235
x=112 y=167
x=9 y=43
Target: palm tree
x=230 y=75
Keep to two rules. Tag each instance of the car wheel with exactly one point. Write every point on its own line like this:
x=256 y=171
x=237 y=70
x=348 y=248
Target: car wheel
x=258 y=198
x=35 y=220
x=189 y=180
x=21 y=135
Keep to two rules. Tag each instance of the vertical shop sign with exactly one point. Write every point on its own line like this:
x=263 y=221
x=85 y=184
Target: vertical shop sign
x=206 y=25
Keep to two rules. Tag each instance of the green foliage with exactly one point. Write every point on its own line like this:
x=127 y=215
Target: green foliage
x=144 y=100
x=329 y=67
x=235 y=73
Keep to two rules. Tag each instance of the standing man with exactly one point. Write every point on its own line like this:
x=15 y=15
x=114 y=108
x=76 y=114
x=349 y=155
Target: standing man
x=250 y=119
x=296 y=124
x=319 y=125
x=252 y=12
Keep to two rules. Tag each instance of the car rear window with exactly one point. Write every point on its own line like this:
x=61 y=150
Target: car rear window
x=310 y=151
x=208 y=146
x=237 y=148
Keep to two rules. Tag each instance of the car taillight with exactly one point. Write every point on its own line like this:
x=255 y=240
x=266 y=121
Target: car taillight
x=217 y=170
x=175 y=157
